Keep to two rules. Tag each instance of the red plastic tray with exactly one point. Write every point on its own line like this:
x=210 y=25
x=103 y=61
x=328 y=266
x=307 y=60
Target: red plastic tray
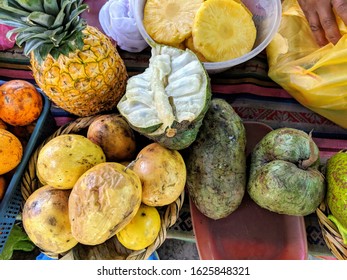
x=250 y=232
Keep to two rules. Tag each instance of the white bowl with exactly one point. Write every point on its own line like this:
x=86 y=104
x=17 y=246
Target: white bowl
x=266 y=16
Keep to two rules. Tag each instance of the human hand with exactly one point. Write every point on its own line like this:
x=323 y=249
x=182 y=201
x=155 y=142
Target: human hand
x=322 y=20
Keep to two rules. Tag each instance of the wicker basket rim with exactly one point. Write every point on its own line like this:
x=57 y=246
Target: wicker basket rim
x=330 y=232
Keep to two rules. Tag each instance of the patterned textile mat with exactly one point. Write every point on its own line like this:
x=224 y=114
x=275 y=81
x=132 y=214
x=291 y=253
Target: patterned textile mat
x=253 y=95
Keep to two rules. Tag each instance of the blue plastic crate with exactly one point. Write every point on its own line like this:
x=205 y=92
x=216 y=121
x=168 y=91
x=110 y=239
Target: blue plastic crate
x=10 y=205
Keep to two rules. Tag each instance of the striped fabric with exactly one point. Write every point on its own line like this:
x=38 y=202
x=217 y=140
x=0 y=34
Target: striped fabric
x=247 y=87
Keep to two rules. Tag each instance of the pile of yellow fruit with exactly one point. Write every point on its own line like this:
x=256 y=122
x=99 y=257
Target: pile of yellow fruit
x=101 y=185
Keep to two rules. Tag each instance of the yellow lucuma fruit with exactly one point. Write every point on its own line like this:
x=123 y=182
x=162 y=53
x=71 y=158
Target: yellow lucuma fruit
x=45 y=219
x=336 y=176
x=63 y=159
x=169 y=100
x=223 y=30
x=170 y=21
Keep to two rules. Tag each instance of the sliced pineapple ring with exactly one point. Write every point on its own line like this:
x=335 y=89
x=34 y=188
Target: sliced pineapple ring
x=189 y=43
x=170 y=21
x=169 y=100
x=223 y=30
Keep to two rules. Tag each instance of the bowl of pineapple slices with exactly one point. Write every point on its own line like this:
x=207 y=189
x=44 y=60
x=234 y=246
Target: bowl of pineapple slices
x=222 y=33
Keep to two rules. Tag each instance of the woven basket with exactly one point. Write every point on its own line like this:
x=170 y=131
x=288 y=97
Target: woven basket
x=331 y=235
x=111 y=249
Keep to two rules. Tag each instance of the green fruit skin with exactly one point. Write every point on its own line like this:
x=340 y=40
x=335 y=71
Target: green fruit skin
x=216 y=162
x=284 y=176
x=336 y=176
x=282 y=187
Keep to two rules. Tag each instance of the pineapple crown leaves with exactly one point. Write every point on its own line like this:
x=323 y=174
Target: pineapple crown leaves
x=45 y=26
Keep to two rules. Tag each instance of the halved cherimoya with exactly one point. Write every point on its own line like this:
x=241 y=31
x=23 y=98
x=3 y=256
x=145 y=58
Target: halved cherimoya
x=168 y=101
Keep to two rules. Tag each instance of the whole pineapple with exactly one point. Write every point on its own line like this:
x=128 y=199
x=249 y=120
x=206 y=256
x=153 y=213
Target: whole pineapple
x=75 y=64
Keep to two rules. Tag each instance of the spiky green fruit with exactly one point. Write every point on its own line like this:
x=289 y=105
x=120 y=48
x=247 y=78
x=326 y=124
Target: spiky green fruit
x=336 y=176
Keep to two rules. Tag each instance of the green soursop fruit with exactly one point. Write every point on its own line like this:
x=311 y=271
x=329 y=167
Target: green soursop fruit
x=168 y=101
x=336 y=176
x=284 y=173
x=216 y=162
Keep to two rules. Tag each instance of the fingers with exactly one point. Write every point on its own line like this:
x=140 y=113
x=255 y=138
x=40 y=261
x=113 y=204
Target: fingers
x=328 y=22
x=316 y=27
x=321 y=18
x=340 y=7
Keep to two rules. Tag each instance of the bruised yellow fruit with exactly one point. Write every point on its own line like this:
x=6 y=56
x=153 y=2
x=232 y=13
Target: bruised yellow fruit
x=162 y=172
x=11 y=151
x=103 y=200
x=223 y=30
x=65 y=158
x=114 y=135
x=46 y=220
x=142 y=230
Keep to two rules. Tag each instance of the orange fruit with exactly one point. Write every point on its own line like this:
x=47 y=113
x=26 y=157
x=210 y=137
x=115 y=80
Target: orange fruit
x=11 y=151
x=23 y=133
x=3 y=124
x=20 y=103
x=3 y=186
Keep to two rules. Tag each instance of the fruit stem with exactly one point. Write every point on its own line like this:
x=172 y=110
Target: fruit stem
x=131 y=164
x=341 y=229
x=313 y=155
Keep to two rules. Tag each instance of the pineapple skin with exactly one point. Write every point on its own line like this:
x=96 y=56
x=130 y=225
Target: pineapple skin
x=87 y=81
